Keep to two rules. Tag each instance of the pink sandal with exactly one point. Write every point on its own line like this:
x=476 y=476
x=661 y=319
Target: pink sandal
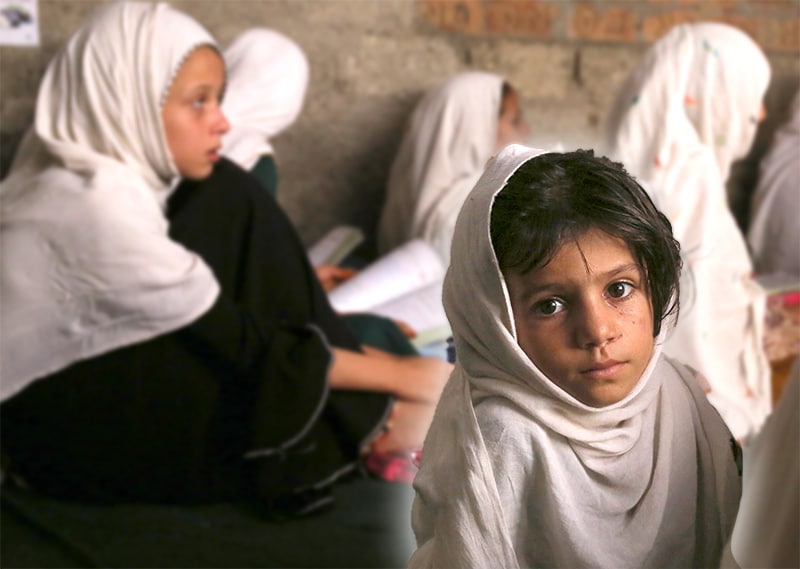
x=394 y=466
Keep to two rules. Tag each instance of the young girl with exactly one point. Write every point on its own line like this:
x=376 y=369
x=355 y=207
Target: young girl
x=685 y=114
x=453 y=131
x=564 y=438
x=172 y=347
x=267 y=79
x=267 y=82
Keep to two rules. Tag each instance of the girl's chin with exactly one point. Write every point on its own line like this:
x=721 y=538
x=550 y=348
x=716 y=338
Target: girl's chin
x=199 y=173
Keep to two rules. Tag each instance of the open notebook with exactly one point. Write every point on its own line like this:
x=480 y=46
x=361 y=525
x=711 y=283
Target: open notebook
x=405 y=285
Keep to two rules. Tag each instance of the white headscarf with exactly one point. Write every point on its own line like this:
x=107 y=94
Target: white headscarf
x=516 y=472
x=774 y=232
x=267 y=80
x=685 y=114
x=450 y=136
x=87 y=265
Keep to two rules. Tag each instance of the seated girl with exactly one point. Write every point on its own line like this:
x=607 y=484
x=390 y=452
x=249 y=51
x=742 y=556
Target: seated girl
x=686 y=113
x=267 y=80
x=159 y=346
x=452 y=132
x=573 y=440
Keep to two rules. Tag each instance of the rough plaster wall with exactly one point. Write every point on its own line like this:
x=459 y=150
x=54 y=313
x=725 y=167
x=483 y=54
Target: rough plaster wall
x=370 y=61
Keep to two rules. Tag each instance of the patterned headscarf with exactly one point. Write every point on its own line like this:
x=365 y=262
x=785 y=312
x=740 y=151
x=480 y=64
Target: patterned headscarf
x=686 y=113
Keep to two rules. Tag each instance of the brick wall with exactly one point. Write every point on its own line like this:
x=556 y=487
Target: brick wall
x=772 y=23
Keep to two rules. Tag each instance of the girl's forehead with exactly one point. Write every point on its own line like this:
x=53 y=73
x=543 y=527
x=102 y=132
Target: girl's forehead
x=203 y=64
x=204 y=56
x=585 y=250
x=591 y=247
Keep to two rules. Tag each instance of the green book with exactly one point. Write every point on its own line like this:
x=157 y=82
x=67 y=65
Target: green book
x=336 y=245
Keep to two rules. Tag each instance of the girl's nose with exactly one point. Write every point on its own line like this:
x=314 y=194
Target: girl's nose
x=597 y=325
x=220 y=123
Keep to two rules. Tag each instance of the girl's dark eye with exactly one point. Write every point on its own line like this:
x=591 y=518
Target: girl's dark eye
x=199 y=103
x=549 y=307
x=619 y=290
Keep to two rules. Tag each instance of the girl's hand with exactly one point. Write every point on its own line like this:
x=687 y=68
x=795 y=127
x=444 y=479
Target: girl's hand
x=414 y=378
x=425 y=380
x=411 y=378
x=331 y=276
x=406 y=428
x=405 y=329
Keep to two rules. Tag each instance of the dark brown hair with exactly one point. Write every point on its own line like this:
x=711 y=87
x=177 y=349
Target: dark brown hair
x=557 y=197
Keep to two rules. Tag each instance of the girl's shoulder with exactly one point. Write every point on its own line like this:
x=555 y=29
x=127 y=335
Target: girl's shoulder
x=495 y=410
x=680 y=376
x=674 y=371
x=502 y=424
x=696 y=384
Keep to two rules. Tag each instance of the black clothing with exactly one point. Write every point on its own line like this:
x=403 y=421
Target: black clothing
x=369 y=527
x=169 y=420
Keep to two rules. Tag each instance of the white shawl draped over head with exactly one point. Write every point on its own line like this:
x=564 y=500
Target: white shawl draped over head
x=267 y=80
x=516 y=472
x=685 y=114
x=87 y=264
x=774 y=232
x=447 y=141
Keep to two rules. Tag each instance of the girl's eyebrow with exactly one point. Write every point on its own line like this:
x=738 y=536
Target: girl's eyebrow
x=558 y=286
x=200 y=87
x=188 y=92
x=532 y=290
x=621 y=269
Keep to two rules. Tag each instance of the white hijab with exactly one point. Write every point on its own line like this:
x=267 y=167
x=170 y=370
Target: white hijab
x=516 y=472
x=267 y=80
x=87 y=265
x=685 y=114
x=447 y=141
x=774 y=232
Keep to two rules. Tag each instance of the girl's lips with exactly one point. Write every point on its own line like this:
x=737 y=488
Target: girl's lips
x=603 y=370
x=213 y=155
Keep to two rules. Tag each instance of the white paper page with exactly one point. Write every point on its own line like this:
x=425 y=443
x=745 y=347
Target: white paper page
x=421 y=309
x=404 y=269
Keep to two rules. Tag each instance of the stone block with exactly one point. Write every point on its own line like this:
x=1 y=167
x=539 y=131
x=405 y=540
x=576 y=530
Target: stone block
x=539 y=71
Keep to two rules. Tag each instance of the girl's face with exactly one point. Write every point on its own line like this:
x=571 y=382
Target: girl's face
x=193 y=121
x=511 y=126
x=585 y=319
